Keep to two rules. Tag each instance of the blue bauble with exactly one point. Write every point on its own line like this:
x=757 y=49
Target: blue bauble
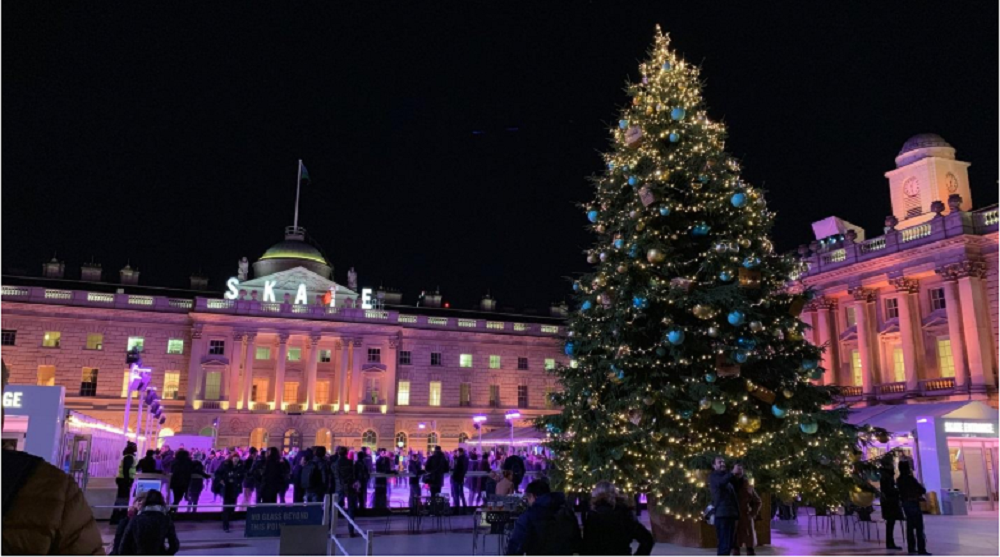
x=703 y=179
x=711 y=377
x=809 y=428
x=678 y=113
x=585 y=305
x=751 y=262
x=666 y=66
x=633 y=251
x=664 y=210
x=738 y=199
x=747 y=343
x=686 y=414
x=817 y=373
x=674 y=137
x=611 y=166
x=778 y=411
x=809 y=364
x=675 y=336
x=592 y=215
x=719 y=407
x=661 y=351
x=623 y=124
x=736 y=318
x=570 y=348
x=725 y=276
x=700 y=229
x=740 y=357
x=632 y=180
x=639 y=302
x=618 y=243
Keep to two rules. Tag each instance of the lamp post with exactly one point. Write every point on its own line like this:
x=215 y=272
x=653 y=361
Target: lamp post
x=478 y=420
x=510 y=416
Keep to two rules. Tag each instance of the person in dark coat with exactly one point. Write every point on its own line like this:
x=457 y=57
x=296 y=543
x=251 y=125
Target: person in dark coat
x=295 y=476
x=151 y=531
x=515 y=464
x=383 y=465
x=611 y=526
x=147 y=465
x=197 y=484
x=249 y=478
x=892 y=509
x=460 y=469
x=347 y=485
x=180 y=477
x=140 y=500
x=725 y=503
x=286 y=478
x=230 y=480
x=167 y=457
x=314 y=477
x=416 y=470
x=911 y=492
x=749 y=506
x=362 y=475
x=547 y=527
x=270 y=481
x=437 y=467
x=124 y=480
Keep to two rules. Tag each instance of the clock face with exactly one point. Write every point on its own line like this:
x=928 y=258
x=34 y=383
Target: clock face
x=911 y=187
x=952 y=183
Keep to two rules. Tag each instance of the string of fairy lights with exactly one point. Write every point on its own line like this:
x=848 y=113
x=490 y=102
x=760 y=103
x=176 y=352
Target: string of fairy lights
x=686 y=285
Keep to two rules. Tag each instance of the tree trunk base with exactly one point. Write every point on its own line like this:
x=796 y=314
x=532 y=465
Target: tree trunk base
x=687 y=533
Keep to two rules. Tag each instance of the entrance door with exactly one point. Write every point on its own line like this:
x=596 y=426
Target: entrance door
x=979 y=485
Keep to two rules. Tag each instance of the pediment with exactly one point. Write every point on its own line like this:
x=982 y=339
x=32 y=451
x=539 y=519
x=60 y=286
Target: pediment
x=373 y=367
x=289 y=280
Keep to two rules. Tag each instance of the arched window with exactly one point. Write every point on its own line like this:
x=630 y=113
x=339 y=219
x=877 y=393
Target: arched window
x=291 y=440
x=401 y=440
x=258 y=438
x=432 y=440
x=463 y=438
x=369 y=439
x=324 y=438
x=208 y=431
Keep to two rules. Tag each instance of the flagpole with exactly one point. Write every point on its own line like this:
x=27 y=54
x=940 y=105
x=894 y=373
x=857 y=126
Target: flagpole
x=298 y=186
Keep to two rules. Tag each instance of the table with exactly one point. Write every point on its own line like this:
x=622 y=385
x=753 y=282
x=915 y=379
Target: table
x=501 y=524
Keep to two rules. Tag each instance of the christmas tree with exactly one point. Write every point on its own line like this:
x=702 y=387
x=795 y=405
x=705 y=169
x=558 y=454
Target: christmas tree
x=686 y=342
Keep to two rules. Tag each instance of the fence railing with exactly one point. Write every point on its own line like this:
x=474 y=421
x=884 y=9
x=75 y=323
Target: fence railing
x=336 y=512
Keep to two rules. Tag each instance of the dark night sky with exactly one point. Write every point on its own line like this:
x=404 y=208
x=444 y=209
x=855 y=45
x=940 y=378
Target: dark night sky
x=170 y=136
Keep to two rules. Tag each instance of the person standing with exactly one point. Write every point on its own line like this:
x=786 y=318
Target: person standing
x=912 y=492
x=295 y=475
x=458 y=473
x=437 y=467
x=611 y=526
x=286 y=478
x=515 y=464
x=383 y=465
x=198 y=476
x=725 y=504
x=415 y=471
x=249 y=480
x=147 y=465
x=749 y=508
x=548 y=527
x=230 y=478
x=314 y=479
x=180 y=478
x=892 y=510
x=347 y=485
x=124 y=480
x=362 y=475
x=270 y=482
x=151 y=531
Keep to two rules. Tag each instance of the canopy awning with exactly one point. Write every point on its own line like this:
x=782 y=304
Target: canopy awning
x=900 y=418
x=502 y=436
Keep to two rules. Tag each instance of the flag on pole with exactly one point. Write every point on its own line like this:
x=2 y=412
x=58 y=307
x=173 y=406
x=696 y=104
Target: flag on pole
x=303 y=174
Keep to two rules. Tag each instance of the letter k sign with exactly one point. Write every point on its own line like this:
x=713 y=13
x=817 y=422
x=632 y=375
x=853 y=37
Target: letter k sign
x=269 y=290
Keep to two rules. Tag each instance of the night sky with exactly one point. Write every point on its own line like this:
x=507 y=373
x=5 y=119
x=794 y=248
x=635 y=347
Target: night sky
x=448 y=143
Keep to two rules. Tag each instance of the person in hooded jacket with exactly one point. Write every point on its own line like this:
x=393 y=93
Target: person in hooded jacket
x=147 y=464
x=230 y=480
x=180 y=477
x=912 y=492
x=151 y=531
x=437 y=467
x=548 y=527
x=611 y=526
x=271 y=477
x=197 y=484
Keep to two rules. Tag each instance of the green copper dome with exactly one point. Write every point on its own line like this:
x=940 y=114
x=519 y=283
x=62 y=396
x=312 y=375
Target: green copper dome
x=294 y=249
x=292 y=252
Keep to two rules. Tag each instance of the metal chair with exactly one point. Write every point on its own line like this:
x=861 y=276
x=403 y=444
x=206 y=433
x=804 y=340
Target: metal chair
x=820 y=517
x=500 y=525
x=865 y=525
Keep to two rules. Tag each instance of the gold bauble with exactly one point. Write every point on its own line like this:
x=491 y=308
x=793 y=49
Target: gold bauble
x=622 y=269
x=744 y=242
x=601 y=280
x=743 y=421
x=702 y=311
x=599 y=228
x=696 y=185
x=655 y=256
x=788 y=393
x=649 y=110
x=637 y=100
x=753 y=425
x=640 y=226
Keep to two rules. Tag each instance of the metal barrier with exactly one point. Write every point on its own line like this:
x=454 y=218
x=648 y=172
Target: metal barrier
x=365 y=534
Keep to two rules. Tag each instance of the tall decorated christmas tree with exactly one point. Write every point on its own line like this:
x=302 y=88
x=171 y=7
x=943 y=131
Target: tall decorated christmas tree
x=685 y=340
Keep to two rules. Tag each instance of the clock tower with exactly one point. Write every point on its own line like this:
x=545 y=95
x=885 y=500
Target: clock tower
x=926 y=171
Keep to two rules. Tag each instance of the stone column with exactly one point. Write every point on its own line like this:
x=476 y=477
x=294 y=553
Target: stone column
x=953 y=308
x=863 y=298
x=234 y=353
x=194 y=388
x=391 y=363
x=343 y=347
x=311 y=364
x=827 y=339
x=279 y=375
x=976 y=325
x=354 y=383
x=909 y=328
x=249 y=357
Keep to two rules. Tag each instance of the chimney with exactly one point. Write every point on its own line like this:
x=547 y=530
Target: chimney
x=389 y=295
x=129 y=275
x=432 y=300
x=559 y=310
x=53 y=269
x=90 y=272
x=199 y=282
x=487 y=303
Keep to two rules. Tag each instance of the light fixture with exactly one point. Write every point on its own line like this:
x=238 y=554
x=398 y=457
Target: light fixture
x=479 y=418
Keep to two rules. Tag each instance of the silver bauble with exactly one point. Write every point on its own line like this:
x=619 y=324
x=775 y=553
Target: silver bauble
x=756 y=326
x=713 y=331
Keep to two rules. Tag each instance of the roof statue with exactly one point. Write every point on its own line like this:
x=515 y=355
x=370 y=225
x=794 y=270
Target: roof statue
x=244 y=269
x=352 y=279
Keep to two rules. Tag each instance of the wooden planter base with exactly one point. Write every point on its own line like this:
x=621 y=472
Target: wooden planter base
x=700 y=533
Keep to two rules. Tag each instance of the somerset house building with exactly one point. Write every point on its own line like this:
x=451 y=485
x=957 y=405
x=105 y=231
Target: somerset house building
x=282 y=356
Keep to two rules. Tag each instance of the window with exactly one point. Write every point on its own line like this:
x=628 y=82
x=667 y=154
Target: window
x=369 y=439
x=321 y=395
x=134 y=342
x=435 y=358
x=213 y=385
x=432 y=441
x=403 y=394
x=463 y=437
x=401 y=440
x=291 y=440
x=494 y=395
x=294 y=355
x=291 y=392
x=51 y=339
x=175 y=346
x=405 y=357
x=898 y=365
x=891 y=308
x=8 y=337
x=434 y=399
x=465 y=360
x=522 y=396
x=217 y=347
x=522 y=364
x=258 y=438
x=262 y=353
x=259 y=392
x=946 y=363
x=88 y=382
x=375 y=355
x=856 y=370
x=549 y=403
x=325 y=356
x=937 y=299
x=373 y=386
x=550 y=363
x=126 y=381
x=494 y=361
x=47 y=376
x=465 y=394
x=852 y=316
x=171 y=385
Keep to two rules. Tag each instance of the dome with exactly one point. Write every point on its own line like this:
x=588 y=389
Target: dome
x=923 y=141
x=290 y=253
x=922 y=146
x=294 y=249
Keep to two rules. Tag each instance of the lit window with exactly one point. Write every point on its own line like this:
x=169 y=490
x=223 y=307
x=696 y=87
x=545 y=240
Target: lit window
x=852 y=316
x=217 y=347
x=550 y=363
x=213 y=385
x=946 y=363
x=405 y=357
x=373 y=385
x=522 y=396
x=95 y=341
x=522 y=363
x=856 y=368
x=171 y=385
x=126 y=380
x=325 y=356
x=262 y=353
x=134 y=342
x=898 y=365
x=495 y=395
x=434 y=399
x=937 y=299
x=294 y=354
x=465 y=360
x=47 y=376
x=375 y=355
x=465 y=394
x=51 y=339
x=494 y=361
x=891 y=308
x=322 y=392
x=175 y=346
x=88 y=382
x=369 y=439
x=291 y=393
x=435 y=358
x=259 y=392
x=8 y=337
x=403 y=394
x=549 y=403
